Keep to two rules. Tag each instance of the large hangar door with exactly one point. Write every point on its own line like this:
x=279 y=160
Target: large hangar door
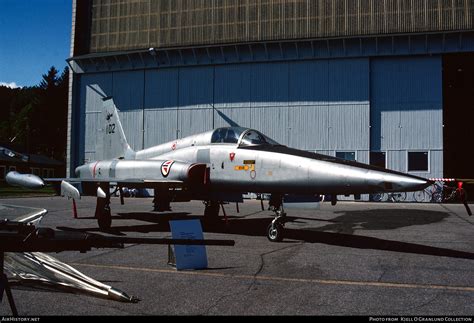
x=458 y=102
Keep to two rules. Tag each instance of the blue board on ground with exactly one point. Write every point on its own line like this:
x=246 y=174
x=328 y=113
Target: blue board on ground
x=189 y=256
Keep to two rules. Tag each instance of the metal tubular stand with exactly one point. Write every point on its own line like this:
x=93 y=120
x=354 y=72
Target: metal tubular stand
x=4 y=282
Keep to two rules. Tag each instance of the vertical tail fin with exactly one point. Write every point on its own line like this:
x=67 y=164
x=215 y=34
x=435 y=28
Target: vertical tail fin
x=114 y=144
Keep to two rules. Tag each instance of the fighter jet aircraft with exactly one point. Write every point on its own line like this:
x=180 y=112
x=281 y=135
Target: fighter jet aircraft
x=219 y=166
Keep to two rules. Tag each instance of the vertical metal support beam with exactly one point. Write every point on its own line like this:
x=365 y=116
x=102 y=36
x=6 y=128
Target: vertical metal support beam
x=237 y=52
x=105 y=63
x=222 y=53
x=117 y=61
x=142 y=59
x=195 y=57
x=130 y=61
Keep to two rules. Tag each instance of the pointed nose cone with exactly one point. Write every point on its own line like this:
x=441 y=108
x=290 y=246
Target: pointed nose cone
x=397 y=182
x=409 y=183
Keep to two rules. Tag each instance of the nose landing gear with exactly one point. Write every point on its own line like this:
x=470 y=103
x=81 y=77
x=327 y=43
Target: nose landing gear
x=276 y=229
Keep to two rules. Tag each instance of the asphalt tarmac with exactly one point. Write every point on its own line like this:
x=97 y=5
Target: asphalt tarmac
x=355 y=258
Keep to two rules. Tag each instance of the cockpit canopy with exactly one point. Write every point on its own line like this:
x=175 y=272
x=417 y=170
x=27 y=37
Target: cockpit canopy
x=240 y=136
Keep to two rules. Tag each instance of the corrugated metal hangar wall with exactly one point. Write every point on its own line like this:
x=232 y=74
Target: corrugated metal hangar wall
x=370 y=80
x=388 y=104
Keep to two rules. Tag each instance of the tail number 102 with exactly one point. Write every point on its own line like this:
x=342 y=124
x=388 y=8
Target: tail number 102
x=110 y=128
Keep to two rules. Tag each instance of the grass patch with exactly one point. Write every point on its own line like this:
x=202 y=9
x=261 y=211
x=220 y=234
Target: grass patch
x=13 y=191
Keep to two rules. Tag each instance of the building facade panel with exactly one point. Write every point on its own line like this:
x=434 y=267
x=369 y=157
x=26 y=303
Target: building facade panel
x=348 y=80
x=161 y=125
x=128 y=94
x=406 y=102
x=421 y=128
x=349 y=127
x=272 y=121
x=308 y=82
x=161 y=88
x=92 y=89
x=196 y=87
x=309 y=126
x=194 y=121
x=396 y=160
x=413 y=79
x=232 y=85
x=269 y=84
x=407 y=110
x=132 y=123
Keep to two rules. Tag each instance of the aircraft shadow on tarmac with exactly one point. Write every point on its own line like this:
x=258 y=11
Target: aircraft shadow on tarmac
x=341 y=228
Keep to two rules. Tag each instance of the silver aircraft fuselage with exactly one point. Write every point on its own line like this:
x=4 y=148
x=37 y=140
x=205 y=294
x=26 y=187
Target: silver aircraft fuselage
x=244 y=160
x=218 y=166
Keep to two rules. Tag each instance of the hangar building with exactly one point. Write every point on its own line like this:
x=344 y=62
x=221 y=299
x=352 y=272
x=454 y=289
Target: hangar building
x=387 y=82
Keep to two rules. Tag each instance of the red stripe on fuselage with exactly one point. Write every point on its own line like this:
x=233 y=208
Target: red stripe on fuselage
x=93 y=169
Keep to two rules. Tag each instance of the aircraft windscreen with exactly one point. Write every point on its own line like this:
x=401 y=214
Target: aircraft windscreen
x=253 y=137
x=225 y=135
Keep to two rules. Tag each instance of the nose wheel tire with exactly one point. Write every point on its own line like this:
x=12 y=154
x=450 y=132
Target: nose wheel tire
x=275 y=232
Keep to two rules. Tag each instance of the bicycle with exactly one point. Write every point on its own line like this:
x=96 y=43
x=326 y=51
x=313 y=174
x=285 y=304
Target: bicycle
x=392 y=197
x=421 y=196
x=433 y=193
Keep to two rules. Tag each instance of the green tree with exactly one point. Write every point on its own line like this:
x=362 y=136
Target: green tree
x=36 y=117
x=48 y=131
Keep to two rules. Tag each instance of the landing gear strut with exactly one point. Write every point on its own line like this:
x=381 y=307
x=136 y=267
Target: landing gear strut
x=161 y=201
x=276 y=229
x=212 y=209
x=102 y=209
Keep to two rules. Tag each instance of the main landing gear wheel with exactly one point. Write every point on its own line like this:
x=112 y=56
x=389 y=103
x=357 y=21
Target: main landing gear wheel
x=275 y=232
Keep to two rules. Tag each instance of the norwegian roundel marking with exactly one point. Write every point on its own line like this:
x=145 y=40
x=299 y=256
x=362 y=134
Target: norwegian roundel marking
x=165 y=167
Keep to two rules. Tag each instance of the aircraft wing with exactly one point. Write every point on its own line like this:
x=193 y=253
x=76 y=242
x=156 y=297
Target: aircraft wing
x=128 y=182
